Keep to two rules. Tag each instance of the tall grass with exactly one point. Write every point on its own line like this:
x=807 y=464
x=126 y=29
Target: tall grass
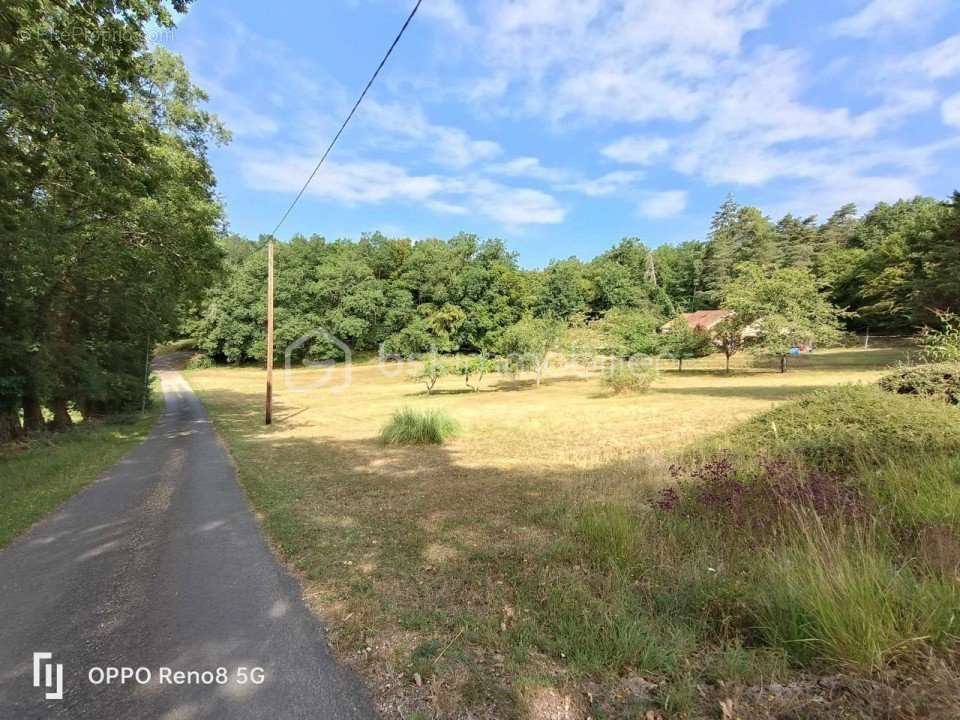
x=838 y=595
x=408 y=426
x=917 y=493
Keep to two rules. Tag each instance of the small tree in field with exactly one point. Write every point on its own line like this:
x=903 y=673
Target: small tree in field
x=728 y=337
x=682 y=342
x=786 y=306
x=473 y=368
x=582 y=342
x=525 y=344
x=430 y=372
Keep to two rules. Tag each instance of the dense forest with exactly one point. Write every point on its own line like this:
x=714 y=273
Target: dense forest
x=108 y=214
x=891 y=269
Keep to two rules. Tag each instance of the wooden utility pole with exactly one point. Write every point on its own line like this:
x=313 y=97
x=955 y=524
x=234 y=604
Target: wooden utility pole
x=268 y=415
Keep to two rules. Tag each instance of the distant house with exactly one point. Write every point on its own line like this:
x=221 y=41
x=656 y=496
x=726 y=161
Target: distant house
x=704 y=320
x=707 y=320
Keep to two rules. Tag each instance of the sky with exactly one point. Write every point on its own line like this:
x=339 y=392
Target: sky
x=562 y=126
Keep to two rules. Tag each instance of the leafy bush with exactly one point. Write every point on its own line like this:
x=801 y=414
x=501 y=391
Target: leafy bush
x=846 y=426
x=623 y=378
x=199 y=362
x=941 y=344
x=938 y=382
x=416 y=427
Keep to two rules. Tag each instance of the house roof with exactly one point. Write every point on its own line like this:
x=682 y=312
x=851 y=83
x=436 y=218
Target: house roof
x=702 y=319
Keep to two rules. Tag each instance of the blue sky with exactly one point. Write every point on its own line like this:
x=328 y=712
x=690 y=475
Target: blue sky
x=562 y=126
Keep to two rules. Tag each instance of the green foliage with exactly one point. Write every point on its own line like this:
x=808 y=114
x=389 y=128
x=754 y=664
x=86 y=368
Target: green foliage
x=473 y=369
x=627 y=378
x=681 y=341
x=525 y=344
x=937 y=382
x=408 y=426
x=430 y=372
x=941 y=344
x=842 y=427
x=629 y=331
x=200 y=362
x=786 y=306
x=109 y=214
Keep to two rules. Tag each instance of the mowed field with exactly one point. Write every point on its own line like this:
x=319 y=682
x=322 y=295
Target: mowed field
x=426 y=562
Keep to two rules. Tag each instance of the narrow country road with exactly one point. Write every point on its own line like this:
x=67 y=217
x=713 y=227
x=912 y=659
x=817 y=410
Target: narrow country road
x=161 y=564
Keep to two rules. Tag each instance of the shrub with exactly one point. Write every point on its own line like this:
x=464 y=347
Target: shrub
x=762 y=494
x=627 y=379
x=199 y=362
x=937 y=382
x=844 y=427
x=415 y=427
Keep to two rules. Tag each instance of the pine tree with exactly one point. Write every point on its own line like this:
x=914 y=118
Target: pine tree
x=720 y=254
x=797 y=240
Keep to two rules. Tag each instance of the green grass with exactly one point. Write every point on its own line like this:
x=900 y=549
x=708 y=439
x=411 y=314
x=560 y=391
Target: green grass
x=37 y=479
x=840 y=427
x=408 y=426
x=917 y=493
x=839 y=596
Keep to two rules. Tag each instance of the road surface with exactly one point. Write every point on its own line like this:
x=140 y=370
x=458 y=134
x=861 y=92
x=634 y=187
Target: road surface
x=161 y=564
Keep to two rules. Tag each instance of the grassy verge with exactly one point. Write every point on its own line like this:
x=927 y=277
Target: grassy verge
x=529 y=567
x=35 y=479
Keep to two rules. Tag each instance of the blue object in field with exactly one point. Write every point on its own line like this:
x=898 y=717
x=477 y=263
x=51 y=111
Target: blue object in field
x=794 y=351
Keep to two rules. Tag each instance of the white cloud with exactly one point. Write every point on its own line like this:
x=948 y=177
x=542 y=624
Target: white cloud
x=449 y=146
x=668 y=203
x=637 y=150
x=880 y=15
x=634 y=60
x=950 y=111
x=939 y=61
x=605 y=184
x=515 y=206
x=368 y=182
x=529 y=167
x=449 y=12
x=353 y=182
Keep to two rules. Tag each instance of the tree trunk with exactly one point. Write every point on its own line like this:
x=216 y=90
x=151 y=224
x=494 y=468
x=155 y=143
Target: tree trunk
x=679 y=364
x=32 y=414
x=783 y=363
x=539 y=373
x=61 y=415
x=727 y=355
x=9 y=424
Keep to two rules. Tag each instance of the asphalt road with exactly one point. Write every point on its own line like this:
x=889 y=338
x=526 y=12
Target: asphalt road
x=161 y=564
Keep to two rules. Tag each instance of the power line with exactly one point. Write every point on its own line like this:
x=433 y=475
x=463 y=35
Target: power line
x=347 y=120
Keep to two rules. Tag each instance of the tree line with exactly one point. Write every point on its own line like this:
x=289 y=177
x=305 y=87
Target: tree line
x=889 y=270
x=108 y=216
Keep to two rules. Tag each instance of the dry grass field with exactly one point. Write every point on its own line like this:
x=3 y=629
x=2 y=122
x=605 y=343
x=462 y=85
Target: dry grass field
x=430 y=564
